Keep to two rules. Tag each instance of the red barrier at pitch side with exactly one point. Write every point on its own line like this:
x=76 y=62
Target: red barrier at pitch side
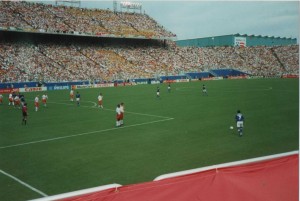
x=272 y=180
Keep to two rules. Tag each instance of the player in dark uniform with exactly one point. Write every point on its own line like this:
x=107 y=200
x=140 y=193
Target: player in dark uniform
x=22 y=98
x=204 y=90
x=24 y=112
x=14 y=95
x=157 y=92
x=169 y=87
x=239 y=118
x=78 y=98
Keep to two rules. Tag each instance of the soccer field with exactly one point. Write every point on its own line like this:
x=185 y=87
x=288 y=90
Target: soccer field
x=66 y=148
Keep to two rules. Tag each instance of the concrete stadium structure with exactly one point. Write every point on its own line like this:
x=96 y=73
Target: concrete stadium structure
x=237 y=40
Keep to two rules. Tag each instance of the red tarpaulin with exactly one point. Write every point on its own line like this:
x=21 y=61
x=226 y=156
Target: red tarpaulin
x=272 y=180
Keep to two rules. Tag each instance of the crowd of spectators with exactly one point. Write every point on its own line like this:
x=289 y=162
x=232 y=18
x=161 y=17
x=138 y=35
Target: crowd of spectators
x=70 y=62
x=28 y=61
x=40 y=17
x=289 y=57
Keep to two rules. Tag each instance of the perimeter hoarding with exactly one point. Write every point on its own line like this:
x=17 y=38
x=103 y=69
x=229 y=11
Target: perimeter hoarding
x=275 y=179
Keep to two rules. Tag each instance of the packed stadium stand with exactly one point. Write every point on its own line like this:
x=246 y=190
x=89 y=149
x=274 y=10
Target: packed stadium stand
x=49 y=44
x=43 y=42
x=62 y=19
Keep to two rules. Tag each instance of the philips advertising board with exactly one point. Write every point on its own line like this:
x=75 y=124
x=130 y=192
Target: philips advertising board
x=58 y=87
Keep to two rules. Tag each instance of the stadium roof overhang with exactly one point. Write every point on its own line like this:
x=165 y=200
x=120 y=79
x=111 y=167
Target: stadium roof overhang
x=79 y=34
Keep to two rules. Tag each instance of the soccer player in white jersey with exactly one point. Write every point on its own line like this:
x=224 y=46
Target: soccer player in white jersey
x=100 y=99
x=118 y=112
x=10 y=99
x=169 y=88
x=44 y=99
x=17 y=101
x=1 y=99
x=122 y=114
x=71 y=95
x=36 y=103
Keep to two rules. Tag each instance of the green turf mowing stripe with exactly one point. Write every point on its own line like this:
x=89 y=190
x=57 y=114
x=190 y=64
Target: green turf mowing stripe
x=81 y=134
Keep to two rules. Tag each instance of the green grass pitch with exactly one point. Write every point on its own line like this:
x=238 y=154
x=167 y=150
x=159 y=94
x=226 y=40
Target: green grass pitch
x=66 y=148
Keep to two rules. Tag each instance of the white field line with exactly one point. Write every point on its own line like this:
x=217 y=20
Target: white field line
x=150 y=115
x=81 y=134
x=95 y=104
x=200 y=89
x=74 y=103
x=79 y=192
x=23 y=183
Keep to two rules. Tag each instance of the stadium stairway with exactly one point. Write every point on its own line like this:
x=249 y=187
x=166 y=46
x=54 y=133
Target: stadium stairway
x=278 y=59
x=213 y=73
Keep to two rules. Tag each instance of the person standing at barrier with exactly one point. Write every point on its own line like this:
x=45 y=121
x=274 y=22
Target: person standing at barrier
x=239 y=117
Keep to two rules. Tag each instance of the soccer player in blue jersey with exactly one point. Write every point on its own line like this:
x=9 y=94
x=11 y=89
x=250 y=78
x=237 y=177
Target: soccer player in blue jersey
x=204 y=91
x=239 y=118
x=78 y=98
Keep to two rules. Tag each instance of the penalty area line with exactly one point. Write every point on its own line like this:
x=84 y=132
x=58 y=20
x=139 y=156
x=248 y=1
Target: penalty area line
x=24 y=184
x=81 y=134
x=149 y=115
x=74 y=103
x=95 y=106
